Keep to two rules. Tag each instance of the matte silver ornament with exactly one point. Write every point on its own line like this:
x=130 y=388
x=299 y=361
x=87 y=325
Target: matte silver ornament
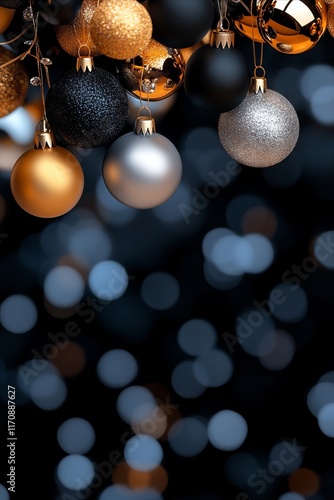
x=142 y=169
x=262 y=131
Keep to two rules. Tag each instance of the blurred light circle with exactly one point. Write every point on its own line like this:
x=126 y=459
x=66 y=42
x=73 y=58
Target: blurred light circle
x=259 y=220
x=111 y=209
x=117 y=368
x=315 y=77
x=252 y=327
x=90 y=244
x=48 y=391
x=117 y=492
x=75 y=472
x=4 y=495
x=326 y=420
x=160 y=291
x=153 y=480
x=19 y=125
x=188 y=437
x=289 y=456
x=327 y=377
x=262 y=253
x=227 y=430
x=232 y=254
x=29 y=371
x=219 y=280
x=322 y=102
x=64 y=286
x=320 y=395
x=238 y=467
x=70 y=360
x=238 y=207
x=169 y=211
x=76 y=435
x=153 y=424
x=211 y=238
x=291 y=496
x=108 y=280
x=135 y=403
x=304 y=481
x=214 y=368
x=18 y=314
x=143 y=452
x=197 y=336
x=288 y=305
x=184 y=382
x=323 y=251
x=281 y=351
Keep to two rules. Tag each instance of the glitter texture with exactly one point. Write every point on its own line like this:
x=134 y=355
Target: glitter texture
x=75 y=38
x=261 y=131
x=14 y=83
x=121 y=29
x=11 y=4
x=330 y=17
x=87 y=109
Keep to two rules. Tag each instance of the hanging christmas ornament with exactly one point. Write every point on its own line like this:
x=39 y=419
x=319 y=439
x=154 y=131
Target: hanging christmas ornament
x=180 y=24
x=6 y=17
x=217 y=76
x=263 y=130
x=46 y=181
x=14 y=82
x=330 y=18
x=87 y=107
x=292 y=27
x=75 y=37
x=121 y=29
x=329 y=2
x=142 y=169
x=244 y=15
x=159 y=69
x=12 y=4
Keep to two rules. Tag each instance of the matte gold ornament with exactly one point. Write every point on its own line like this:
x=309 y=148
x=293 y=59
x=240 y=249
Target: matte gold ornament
x=244 y=17
x=6 y=17
x=292 y=27
x=47 y=181
x=157 y=73
x=14 y=83
x=121 y=29
x=75 y=38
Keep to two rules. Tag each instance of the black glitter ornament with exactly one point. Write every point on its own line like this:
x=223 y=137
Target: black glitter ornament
x=12 y=4
x=87 y=109
x=217 y=76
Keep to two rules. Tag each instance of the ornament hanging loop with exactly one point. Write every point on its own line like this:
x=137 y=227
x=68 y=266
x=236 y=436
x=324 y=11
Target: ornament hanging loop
x=259 y=67
x=220 y=25
x=140 y=110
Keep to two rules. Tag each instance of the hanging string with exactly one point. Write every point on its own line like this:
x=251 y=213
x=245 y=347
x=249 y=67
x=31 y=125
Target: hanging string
x=222 y=9
x=142 y=106
x=257 y=65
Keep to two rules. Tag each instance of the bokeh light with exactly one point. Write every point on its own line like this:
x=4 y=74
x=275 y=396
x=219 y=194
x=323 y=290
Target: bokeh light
x=64 y=286
x=4 y=495
x=19 y=125
x=279 y=350
x=75 y=472
x=320 y=395
x=160 y=291
x=143 y=452
x=70 y=360
x=135 y=403
x=184 y=381
x=291 y=496
x=188 y=437
x=326 y=420
x=288 y=304
x=255 y=330
x=18 y=314
x=197 y=336
x=214 y=368
x=48 y=391
x=108 y=280
x=304 y=481
x=323 y=251
x=76 y=436
x=227 y=430
x=117 y=368
x=288 y=454
x=89 y=244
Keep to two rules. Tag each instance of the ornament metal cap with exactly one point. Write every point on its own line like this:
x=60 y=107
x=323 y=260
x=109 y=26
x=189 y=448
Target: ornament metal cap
x=222 y=38
x=144 y=124
x=258 y=83
x=43 y=135
x=85 y=64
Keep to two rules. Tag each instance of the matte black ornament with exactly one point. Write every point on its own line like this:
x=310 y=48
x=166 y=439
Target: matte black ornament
x=87 y=109
x=12 y=4
x=180 y=23
x=217 y=75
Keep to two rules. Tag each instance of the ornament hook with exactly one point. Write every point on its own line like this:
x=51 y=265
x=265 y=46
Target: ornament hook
x=144 y=107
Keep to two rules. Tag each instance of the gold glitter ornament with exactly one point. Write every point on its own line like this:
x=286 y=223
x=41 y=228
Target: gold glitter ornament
x=330 y=20
x=6 y=17
x=14 y=83
x=157 y=73
x=121 y=29
x=75 y=37
x=292 y=27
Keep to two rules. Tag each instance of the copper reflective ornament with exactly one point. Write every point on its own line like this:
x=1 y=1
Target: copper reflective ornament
x=14 y=83
x=157 y=73
x=244 y=16
x=292 y=27
x=75 y=38
x=6 y=17
x=330 y=24
x=47 y=182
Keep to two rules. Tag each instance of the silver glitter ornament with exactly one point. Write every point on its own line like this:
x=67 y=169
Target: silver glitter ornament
x=263 y=130
x=142 y=169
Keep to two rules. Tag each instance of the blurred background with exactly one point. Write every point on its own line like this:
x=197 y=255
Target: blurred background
x=181 y=352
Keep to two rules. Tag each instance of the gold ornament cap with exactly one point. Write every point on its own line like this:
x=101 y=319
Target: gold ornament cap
x=43 y=135
x=85 y=64
x=222 y=38
x=145 y=125
x=258 y=83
